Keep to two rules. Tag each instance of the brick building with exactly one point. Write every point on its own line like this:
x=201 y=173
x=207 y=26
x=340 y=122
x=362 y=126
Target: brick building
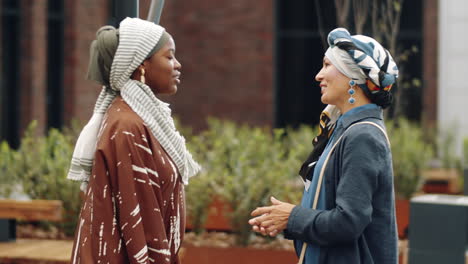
x=248 y=61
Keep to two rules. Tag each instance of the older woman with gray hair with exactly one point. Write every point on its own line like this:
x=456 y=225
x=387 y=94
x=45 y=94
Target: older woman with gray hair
x=131 y=159
x=347 y=213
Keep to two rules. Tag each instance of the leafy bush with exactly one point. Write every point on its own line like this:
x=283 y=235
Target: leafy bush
x=6 y=177
x=40 y=167
x=465 y=152
x=411 y=155
x=448 y=157
x=244 y=166
x=446 y=148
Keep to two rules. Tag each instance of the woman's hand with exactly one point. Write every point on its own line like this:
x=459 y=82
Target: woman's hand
x=271 y=220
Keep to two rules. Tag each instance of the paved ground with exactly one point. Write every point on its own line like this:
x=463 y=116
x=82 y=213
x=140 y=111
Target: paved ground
x=26 y=251
x=36 y=251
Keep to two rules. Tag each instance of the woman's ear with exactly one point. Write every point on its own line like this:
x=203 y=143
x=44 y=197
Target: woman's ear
x=136 y=75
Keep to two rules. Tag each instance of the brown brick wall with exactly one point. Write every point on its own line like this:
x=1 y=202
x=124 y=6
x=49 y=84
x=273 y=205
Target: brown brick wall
x=1 y=73
x=81 y=22
x=226 y=51
x=430 y=62
x=82 y=19
x=225 y=47
x=33 y=63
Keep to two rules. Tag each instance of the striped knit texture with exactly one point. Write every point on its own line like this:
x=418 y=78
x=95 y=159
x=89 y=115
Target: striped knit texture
x=137 y=38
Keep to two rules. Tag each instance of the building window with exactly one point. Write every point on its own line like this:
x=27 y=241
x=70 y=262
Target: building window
x=298 y=57
x=9 y=86
x=55 y=63
x=299 y=50
x=411 y=36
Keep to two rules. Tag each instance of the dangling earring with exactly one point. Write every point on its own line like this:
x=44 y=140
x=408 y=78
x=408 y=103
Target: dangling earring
x=351 y=92
x=142 y=75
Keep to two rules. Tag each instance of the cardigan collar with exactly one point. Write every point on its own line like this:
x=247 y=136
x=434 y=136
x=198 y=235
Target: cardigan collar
x=359 y=113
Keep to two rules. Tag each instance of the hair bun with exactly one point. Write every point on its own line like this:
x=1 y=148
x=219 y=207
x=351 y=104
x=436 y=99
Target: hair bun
x=382 y=98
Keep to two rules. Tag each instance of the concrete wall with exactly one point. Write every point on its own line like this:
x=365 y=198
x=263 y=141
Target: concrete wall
x=453 y=66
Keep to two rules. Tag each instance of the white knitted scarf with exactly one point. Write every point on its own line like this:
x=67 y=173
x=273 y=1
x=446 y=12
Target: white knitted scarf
x=137 y=38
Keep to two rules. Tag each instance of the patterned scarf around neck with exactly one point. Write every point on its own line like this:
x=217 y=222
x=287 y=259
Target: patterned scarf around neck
x=328 y=119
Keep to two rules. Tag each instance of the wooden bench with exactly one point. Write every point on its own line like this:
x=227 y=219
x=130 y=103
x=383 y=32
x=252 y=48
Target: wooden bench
x=36 y=251
x=34 y=210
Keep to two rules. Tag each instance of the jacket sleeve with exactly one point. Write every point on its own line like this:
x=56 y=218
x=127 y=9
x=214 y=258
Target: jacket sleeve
x=363 y=153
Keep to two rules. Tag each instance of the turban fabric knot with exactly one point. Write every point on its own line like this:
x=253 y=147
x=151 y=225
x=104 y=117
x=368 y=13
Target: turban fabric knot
x=364 y=60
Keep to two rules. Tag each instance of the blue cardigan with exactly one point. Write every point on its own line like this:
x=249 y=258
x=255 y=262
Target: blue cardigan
x=358 y=225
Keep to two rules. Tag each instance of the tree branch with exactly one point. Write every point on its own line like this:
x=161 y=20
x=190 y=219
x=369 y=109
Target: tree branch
x=318 y=12
x=342 y=12
x=361 y=12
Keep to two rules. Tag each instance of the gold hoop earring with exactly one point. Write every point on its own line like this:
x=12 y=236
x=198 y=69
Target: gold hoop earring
x=142 y=75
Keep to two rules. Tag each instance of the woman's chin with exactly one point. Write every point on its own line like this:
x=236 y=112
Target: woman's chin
x=324 y=99
x=173 y=90
x=169 y=91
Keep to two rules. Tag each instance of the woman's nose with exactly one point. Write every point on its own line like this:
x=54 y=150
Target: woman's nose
x=319 y=76
x=177 y=65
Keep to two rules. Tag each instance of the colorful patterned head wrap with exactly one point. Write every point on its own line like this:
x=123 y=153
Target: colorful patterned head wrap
x=364 y=60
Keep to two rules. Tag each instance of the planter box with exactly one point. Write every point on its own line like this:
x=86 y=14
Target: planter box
x=441 y=181
x=217 y=219
x=235 y=255
x=402 y=217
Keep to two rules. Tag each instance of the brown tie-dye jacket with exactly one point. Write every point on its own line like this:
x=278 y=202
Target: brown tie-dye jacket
x=134 y=209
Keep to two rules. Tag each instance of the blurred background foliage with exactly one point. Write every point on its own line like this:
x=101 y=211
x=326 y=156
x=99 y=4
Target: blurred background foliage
x=411 y=155
x=38 y=170
x=242 y=166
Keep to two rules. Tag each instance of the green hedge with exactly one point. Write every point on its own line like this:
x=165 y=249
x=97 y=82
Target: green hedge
x=411 y=155
x=39 y=167
x=242 y=165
